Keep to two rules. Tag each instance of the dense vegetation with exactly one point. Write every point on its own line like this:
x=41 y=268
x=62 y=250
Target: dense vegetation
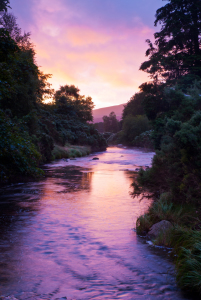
x=172 y=103
x=136 y=128
x=30 y=129
x=109 y=124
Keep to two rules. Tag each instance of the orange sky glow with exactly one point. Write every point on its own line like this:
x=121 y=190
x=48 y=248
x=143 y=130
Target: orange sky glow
x=95 y=45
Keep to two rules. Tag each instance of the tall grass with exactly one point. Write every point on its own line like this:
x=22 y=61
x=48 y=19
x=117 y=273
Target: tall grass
x=185 y=241
x=161 y=209
x=187 y=247
x=70 y=151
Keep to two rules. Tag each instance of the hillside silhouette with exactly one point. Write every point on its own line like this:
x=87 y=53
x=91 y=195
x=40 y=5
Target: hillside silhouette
x=105 y=111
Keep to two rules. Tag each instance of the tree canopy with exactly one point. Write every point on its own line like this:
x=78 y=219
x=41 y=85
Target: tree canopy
x=4 y=5
x=176 y=50
x=134 y=106
x=172 y=100
x=22 y=84
x=69 y=101
x=110 y=123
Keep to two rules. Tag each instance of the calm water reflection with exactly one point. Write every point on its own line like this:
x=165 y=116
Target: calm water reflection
x=71 y=234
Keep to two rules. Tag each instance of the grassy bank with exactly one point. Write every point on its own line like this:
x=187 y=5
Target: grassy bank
x=70 y=151
x=184 y=237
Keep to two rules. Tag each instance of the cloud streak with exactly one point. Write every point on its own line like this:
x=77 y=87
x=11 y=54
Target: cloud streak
x=96 y=45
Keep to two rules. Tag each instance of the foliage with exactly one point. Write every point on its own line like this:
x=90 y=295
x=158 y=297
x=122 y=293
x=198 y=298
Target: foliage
x=70 y=151
x=144 y=140
x=69 y=101
x=143 y=224
x=133 y=127
x=22 y=85
x=172 y=102
x=110 y=123
x=29 y=128
x=162 y=209
x=187 y=244
x=17 y=153
x=177 y=137
x=185 y=241
x=134 y=106
x=134 y=123
x=4 y=5
x=99 y=126
x=8 y=22
x=176 y=50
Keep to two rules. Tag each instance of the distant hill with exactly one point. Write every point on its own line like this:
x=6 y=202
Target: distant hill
x=105 y=111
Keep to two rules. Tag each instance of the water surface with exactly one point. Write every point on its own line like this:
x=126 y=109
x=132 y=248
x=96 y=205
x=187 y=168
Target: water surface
x=71 y=234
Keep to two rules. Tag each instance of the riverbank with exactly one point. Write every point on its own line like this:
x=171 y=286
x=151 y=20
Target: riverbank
x=59 y=152
x=142 y=141
x=70 y=151
x=183 y=235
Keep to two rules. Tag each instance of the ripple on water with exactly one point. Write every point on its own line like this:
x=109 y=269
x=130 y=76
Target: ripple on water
x=69 y=236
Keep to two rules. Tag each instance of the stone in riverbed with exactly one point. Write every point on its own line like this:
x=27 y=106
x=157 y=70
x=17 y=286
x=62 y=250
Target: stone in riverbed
x=158 y=228
x=95 y=158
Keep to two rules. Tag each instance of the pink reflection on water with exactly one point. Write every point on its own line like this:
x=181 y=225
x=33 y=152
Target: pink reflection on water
x=76 y=239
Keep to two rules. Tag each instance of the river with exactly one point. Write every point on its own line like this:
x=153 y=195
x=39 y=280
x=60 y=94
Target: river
x=70 y=235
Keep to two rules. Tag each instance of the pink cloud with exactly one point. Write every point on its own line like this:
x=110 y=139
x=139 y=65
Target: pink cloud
x=79 y=36
x=103 y=62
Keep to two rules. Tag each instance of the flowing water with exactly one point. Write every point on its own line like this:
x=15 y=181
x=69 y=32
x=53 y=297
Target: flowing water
x=71 y=236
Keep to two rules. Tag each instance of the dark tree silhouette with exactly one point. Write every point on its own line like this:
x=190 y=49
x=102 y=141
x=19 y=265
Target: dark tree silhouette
x=176 y=50
x=134 y=106
x=69 y=101
x=4 y=4
x=110 y=123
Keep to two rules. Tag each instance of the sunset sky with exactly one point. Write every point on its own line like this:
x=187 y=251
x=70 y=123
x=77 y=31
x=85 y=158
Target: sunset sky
x=97 y=45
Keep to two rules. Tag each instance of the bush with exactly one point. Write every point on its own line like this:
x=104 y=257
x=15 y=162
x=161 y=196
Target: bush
x=187 y=245
x=17 y=153
x=69 y=151
x=144 y=140
x=133 y=127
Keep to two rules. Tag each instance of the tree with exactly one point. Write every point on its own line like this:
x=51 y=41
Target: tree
x=8 y=22
x=176 y=50
x=4 y=4
x=134 y=106
x=133 y=127
x=69 y=101
x=22 y=84
x=70 y=92
x=110 y=123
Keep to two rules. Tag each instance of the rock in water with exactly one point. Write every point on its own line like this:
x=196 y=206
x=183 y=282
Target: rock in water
x=95 y=158
x=158 y=228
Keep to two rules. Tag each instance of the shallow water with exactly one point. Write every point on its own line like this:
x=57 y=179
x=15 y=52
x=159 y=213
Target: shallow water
x=71 y=234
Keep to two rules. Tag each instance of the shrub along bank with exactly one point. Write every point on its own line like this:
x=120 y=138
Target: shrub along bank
x=41 y=136
x=184 y=238
x=70 y=151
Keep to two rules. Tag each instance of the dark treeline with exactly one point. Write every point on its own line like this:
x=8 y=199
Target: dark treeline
x=29 y=129
x=110 y=124
x=172 y=104
x=172 y=100
x=134 y=129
